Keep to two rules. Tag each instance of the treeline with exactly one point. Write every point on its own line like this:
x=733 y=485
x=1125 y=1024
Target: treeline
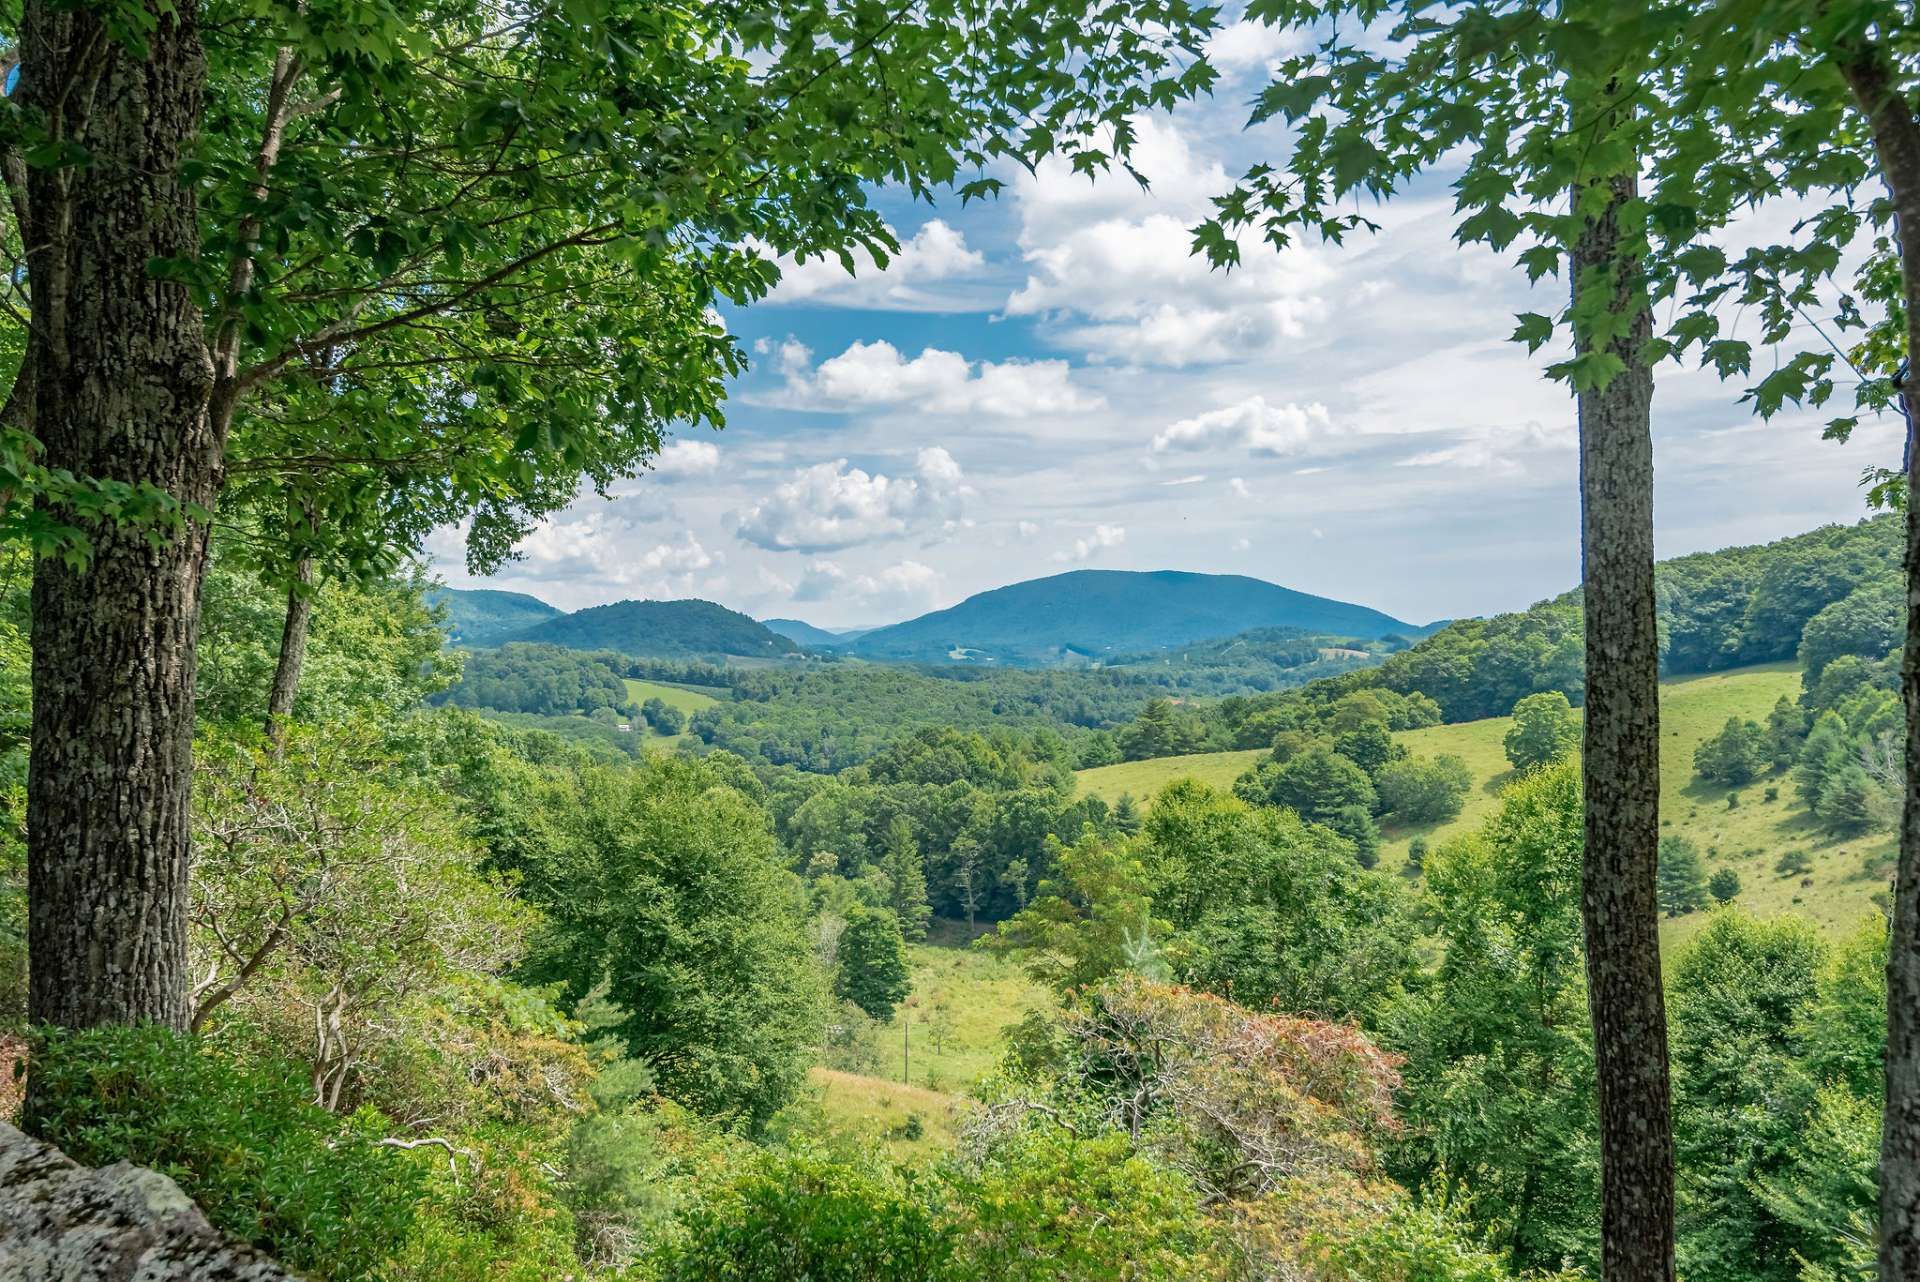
x=1716 y=610
x=1256 y=662
x=836 y=716
x=826 y=717
x=1821 y=596
x=549 y=680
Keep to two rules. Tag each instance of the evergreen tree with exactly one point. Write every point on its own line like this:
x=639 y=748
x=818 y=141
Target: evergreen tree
x=1846 y=799
x=1356 y=824
x=1683 y=882
x=1786 y=729
x=1827 y=750
x=906 y=876
x=1126 y=815
x=1724 y=886
x=872 y=968
x=1159 y=731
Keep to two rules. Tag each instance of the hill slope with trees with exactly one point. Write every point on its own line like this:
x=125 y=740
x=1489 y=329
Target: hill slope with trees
x=1087 y=615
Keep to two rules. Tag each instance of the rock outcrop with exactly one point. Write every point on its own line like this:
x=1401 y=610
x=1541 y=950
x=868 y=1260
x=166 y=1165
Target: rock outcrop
x=63 y=1222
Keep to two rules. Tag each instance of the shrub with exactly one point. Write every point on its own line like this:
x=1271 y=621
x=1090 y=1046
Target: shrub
x=244 y=1142
x=805 y=1216
x=1724 y=885
x=1424 y=791
x=1771 y=794
x=1736 y=755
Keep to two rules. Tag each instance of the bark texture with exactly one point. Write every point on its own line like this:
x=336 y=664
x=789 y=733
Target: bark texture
x=60 y=1222
x=1896 y=138
x=293 y=651
x=121 y=379
x=1621 y=750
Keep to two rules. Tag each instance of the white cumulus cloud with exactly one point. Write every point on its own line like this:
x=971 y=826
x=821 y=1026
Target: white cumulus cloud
x=902 y=586
x=937 y=252
x=598 y=546
x=1102 y=538
x=687 y=458
x=878 y=375
x=831 y=506
x=1251 y=425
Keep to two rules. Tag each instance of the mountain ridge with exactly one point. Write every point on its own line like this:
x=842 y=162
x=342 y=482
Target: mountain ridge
x=1091 y=615
x=1079 y=617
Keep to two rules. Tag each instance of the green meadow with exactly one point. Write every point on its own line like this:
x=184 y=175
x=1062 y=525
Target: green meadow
x=1737 y=828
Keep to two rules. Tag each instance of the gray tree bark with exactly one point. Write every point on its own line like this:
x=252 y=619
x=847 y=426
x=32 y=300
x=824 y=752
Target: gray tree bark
x=1621 y=754
x=293 y=651
x=121 y=381
x=1896 y=138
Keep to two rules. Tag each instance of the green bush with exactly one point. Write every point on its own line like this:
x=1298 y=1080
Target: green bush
x=245 y=1143
x=794 y=1216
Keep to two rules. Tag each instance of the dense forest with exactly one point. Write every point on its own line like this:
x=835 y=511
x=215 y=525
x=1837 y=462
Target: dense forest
x=590 y=957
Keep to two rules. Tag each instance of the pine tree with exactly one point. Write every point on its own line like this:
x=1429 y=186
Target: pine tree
x=872 y=971
x=1724 y=886
x=1126 y=814
x=1786 y=728
x=1846 y=799
x=906 y=880
x=1826 y=751
x=1683 y=883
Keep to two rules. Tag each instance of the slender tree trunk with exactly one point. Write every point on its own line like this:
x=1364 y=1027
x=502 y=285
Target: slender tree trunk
x=1896 y=138
x=121 y=384
x=293 y=651
x=1622 y=780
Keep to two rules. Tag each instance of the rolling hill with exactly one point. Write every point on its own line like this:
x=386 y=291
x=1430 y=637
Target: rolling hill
x=663 y=629
x=1092 y=615
x=483 y=617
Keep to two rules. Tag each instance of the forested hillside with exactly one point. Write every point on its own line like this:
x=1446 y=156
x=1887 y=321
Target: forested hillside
x=662 y=629
x=1093 y=615
x=480 y=617
x=1716 y=610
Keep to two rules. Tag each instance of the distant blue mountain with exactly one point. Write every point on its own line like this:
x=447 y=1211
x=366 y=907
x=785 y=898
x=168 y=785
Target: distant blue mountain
x=805 y=633
x=482 y=618
x=1089 y=615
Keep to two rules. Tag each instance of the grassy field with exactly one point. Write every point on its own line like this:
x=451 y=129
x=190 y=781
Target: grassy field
x=1142 y=779
x=874 y=1112
x=689 y=699
x=962 y=1001
x=1748 y=837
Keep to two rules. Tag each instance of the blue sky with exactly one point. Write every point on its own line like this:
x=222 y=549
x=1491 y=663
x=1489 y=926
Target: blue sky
x=1049 y=381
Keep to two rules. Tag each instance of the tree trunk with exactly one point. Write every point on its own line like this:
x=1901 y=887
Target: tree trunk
x=1896 y=140
x=293 y=651
x=1621 y=752
x=121 y=384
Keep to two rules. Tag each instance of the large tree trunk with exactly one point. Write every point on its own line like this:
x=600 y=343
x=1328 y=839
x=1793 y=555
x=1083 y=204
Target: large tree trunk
x=1896 y=139
x=1622 y=778
x=293 y=650
x=121 y=384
